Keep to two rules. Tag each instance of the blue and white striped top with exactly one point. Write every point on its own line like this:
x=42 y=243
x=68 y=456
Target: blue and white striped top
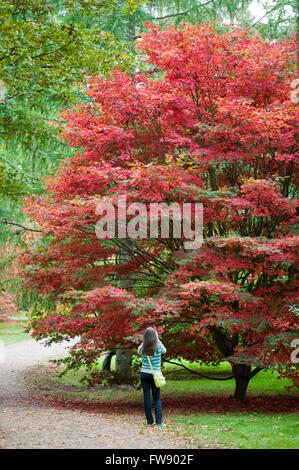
x=155 y=359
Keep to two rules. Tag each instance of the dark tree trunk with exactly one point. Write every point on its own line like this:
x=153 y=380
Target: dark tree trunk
x=241 y=388
x=123 y=363
x=107 y=361
x=242 y=375
x=123 y=359
x=241 y=372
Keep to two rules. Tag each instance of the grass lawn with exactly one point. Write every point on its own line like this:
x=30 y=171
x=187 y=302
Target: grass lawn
x=247 y=429
x=13 y=331
x=197 y=407
x=243 y=430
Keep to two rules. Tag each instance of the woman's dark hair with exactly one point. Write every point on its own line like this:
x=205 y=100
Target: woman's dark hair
x=150 y=341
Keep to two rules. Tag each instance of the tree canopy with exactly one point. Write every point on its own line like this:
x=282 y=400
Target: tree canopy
x=209 y=121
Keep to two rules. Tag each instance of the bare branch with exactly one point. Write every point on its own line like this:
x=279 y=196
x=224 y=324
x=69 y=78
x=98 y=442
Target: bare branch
x=22 y=226
x=199 y=373
x=256 y=371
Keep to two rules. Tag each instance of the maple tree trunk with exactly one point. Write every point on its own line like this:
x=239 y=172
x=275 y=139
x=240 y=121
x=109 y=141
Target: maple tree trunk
x=123 y=363
x=241 y=372
x=242 y=377
x=107 y=361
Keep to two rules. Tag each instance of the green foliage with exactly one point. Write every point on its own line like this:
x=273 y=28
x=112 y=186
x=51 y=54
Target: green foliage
x=13 y=331
x=12 y=182
x=279 y=20
x=44 y=53
x=42 y=56
x=128 y=27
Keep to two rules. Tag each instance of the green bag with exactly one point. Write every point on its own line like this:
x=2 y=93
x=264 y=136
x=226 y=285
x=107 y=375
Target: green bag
x=159 y=378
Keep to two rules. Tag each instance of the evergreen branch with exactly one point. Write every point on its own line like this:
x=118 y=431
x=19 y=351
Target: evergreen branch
x=267 y=13
x=172 y=15
x=18 y=169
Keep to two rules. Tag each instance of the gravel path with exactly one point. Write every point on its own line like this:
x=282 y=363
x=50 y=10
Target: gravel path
x=24 y=425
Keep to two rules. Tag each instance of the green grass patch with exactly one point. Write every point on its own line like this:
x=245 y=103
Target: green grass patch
x=180 y=381
x=243 y=430
x=237 y=429
x=13 y=331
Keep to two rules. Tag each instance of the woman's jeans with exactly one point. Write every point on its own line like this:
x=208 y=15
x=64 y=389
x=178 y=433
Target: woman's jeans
x=148 y=384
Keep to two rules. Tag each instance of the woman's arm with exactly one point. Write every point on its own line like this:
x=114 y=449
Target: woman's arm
x=162 y=347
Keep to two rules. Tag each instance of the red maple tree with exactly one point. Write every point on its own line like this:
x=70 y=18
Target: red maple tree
x=210 y=122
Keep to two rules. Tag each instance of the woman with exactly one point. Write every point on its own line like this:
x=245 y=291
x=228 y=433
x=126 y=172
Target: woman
x=152 y=347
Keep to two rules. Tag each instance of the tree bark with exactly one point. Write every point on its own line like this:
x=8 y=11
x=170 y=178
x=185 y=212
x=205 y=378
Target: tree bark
x=107 y=361
x=123 y=363
x=241 y=372
x=242 y=375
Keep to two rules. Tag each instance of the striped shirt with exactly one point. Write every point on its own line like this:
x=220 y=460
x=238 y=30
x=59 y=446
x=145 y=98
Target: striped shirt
x=155 y=359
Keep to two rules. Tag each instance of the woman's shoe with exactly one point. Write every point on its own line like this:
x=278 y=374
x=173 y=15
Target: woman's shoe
x=161 y=424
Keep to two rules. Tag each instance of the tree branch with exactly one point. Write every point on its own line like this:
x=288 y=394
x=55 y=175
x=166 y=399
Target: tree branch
x=256 y=371
x=18 y=169
x=262 y=17
x=199 y=373
x=22 y=226
x=172 y=15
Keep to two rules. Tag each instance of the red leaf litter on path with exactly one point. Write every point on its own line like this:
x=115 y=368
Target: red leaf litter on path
x=190 y=404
